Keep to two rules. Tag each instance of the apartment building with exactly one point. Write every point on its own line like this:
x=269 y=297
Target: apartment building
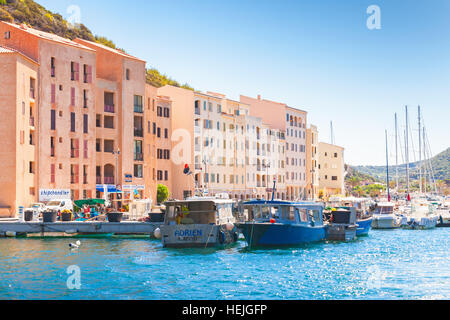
x=63 y=108
x=18 y=87
x=312 y=162
x=119 y=112
x=331 y=169
x=292 y=125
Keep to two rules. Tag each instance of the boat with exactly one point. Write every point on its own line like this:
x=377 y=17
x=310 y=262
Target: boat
x=364 y=217
x=384 y=217
x=342 y=225
x=199 y=222
x=422 y=217
x=443 y=212
x=282 y=223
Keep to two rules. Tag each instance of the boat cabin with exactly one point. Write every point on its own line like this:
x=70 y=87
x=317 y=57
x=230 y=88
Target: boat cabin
x=285 y=212
x=209 y=211
x=384 y=208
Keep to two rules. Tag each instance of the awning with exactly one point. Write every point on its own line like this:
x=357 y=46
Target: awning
x=89 y=202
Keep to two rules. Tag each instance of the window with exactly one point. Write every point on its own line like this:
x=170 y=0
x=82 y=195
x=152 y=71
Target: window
x=109 y=122
x=31 y=167
x=159 y=111
x=138 y=106
x=85 y=98
x=72 y=96
x=52 y=67
x=52 y=119
x=74 y=71
x=87 y=73
x=85 y=123
x=127 y=74
x=72 y=122
x=166 y=113
x=166 y=175
x=52 y=146
x=8 y=35
x=166 y=133
x=334 y=178
x=138 y=170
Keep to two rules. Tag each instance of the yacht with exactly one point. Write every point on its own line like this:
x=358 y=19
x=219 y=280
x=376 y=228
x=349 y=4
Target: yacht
x=384 y=217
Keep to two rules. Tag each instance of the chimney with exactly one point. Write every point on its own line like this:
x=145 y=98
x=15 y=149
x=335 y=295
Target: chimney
x=259 y=97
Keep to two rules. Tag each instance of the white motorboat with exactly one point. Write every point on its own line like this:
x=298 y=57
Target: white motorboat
x=384 y=217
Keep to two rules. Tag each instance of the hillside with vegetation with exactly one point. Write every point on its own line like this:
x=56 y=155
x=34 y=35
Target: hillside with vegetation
x=36 y=16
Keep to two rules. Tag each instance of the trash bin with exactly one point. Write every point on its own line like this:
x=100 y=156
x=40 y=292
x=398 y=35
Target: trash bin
x=66 y=216
x=49 y=216
x=28 y=215
x=114 y=216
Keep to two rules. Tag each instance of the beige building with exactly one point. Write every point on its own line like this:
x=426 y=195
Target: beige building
x=312 y=163
x=331 y=169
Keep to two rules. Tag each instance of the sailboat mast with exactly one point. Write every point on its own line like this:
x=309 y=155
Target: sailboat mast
x=420 y=153
x=387 y=168
x=424 y=159
x=396 y=154
x=407 y=152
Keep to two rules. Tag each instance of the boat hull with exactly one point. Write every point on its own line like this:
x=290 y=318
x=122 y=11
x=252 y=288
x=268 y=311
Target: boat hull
x=272 y=234
x=443 y=222
x=364 y=227
x=385 y=222
x=197 y=236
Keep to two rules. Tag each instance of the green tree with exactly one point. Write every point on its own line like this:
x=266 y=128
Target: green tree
x=162 y=193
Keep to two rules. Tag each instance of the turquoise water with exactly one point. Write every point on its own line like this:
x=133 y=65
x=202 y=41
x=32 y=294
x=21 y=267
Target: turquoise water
x=396 y=264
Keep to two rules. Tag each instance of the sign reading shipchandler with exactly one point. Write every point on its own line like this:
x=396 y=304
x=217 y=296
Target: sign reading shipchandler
x=53 y=194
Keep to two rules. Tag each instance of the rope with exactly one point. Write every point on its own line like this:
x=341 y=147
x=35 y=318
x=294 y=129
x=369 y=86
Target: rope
x=209 y=234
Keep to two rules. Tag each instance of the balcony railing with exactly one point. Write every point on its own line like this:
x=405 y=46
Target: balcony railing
x=138 y=109
x=52 y=151
x=74 y=153
x=73 y=179
x=98 y=180
x=32 y=121
x=197 y=111
x=138 y=157
x=109 y=108
x=109 y=180
x=138 y=132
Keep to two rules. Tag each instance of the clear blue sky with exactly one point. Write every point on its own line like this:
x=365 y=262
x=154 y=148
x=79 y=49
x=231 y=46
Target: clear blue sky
x=314 y=55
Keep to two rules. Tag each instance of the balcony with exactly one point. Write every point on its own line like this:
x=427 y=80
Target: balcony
x=197 y=111
x=74 y=153
x=98 y=180
x=139 y=132
x=138 y=109
x=32 y=93
x=73 y=179
x=138 y=157
x=52 y=151
x=109 y=108
x=32 y=121
x=109 y=180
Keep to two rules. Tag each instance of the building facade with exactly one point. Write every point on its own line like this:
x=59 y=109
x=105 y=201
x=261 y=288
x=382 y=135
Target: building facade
x=331 y=170
x=312 y=162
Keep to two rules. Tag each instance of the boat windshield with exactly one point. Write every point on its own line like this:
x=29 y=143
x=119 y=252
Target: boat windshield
x=384 y=210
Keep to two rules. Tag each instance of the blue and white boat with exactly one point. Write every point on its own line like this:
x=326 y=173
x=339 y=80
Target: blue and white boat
x=282 y=223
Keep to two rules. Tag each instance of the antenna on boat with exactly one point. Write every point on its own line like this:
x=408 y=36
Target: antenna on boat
x=396 y=154
x=407 y=155
x=420 y=152
x=274 y=185
x=387 y=168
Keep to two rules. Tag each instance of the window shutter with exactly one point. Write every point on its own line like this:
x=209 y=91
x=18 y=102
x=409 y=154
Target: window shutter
x=72 y=96
x=76 y=167
x=52 y=173
x=77 y=71
x=89 y=74
x=77 y=149
x=53 y=93
x=85 y=149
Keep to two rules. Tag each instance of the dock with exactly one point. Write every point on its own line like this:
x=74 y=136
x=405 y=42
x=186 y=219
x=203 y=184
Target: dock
x=16 y=228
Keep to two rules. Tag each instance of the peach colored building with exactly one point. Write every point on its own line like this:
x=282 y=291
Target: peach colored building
x=331 y=169
x=120 y=99
x=292 y=124
x=18 y=86
x=64 y=109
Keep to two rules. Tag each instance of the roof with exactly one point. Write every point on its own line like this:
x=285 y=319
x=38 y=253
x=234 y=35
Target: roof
x=6 y=50
x=115 y=51
x=282 y=202
x=48 y=36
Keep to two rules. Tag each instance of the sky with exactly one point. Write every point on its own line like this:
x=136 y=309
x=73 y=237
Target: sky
x=317 y=56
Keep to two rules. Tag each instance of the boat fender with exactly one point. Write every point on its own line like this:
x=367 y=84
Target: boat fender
x=157 y=233
x=221 y=237
x=229 y=226
x=10 y=234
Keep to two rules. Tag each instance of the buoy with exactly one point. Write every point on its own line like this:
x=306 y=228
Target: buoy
x=230 y=226
x=10 y=234
x=272 y=221
x=157 y=233
x=75 y=245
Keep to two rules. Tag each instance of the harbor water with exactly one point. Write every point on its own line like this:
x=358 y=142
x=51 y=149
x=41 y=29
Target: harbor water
x=391 y=264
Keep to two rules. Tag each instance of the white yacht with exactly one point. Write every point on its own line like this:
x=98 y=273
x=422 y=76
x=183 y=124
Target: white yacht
x=422 y=216
x=384 y=216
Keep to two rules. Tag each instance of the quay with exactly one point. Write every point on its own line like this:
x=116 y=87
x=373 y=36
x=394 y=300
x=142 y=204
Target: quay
x=9 y=228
